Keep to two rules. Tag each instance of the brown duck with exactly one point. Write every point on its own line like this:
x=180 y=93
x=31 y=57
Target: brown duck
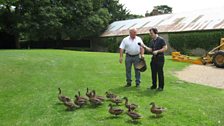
x=95 y=101
x=114 y=111
x=81 y=97
x=116 y=100
x=110 y=95
x=80 y=101
x=98 y=97
x=133 y=115
x=131 y=106
x=69 y=104
x=61 y=97
x=156 y=110
x=88 y=94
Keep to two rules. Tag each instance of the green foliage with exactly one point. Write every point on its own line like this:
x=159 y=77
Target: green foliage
x=184 y=42
x=58 y=19
x=117 y=11
x=8 y=17
x=29 y=80
x=134 y=16
x=164 y=9
x=110 y=43
x=158 y=10
x=146 y=39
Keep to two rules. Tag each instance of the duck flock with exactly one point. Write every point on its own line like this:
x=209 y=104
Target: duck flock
x=95 y=100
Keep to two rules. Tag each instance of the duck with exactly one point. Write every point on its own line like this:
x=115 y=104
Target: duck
x=116 y=100
x=81 y=97
x=61 y=97
x=133 y=115
x=88 y=94
x=156 y=110
x=131 y=106
x=110 y=95
x=69 y=104
x=115 y=111
x=80 y=101
x=95 y=101
x=98 y=97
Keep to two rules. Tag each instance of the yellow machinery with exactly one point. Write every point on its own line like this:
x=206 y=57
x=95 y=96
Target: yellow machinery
x=183 y=58
x=215 y=56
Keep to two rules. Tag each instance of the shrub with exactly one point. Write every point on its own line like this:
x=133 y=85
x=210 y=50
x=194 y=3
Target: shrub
x=186 y=41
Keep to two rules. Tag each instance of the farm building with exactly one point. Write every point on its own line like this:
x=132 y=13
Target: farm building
x=188 y=32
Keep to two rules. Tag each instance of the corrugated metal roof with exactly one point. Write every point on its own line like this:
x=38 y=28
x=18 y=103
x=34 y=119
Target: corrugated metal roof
x=209 y=19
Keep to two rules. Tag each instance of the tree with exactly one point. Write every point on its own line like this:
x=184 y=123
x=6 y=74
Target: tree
x=116 y=10
x=9 y=18
x=134 y=16
x=58 y=19
x=158 y=10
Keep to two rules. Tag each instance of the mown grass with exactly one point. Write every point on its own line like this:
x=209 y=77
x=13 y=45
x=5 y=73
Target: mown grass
x=29 y=80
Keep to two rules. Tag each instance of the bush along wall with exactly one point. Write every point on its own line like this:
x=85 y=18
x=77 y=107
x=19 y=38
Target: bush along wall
x=107 y=44
x=146 y=39
x=187 y=41
x=111 y=44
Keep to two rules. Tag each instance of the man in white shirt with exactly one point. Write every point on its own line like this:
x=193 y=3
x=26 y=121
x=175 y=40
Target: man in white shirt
x=132 y=50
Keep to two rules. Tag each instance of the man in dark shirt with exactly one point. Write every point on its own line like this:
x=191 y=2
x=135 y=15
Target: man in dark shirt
x=157 y=47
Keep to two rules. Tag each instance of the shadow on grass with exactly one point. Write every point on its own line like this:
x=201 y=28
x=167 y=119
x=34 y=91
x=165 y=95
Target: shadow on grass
x=94 y=106
x=155 y=117
x=138 y=91
x=59 y=103
x=112 y=117
x=135 y=122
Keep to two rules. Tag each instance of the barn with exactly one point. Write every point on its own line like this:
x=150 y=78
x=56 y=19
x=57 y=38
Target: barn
x=192 y=32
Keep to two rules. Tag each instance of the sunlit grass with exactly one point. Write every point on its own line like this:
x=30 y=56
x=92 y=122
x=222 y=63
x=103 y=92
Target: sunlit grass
x=29 y=80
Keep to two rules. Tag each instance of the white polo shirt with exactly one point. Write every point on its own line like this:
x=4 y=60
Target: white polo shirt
x=131 y=45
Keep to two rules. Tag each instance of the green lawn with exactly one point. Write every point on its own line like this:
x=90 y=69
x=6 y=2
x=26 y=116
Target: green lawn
x=29 y=80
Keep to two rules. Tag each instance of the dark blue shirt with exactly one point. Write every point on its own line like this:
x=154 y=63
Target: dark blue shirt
x=157 y=44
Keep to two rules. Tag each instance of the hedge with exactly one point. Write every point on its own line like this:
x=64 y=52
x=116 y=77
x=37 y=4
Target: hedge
x=186 y=41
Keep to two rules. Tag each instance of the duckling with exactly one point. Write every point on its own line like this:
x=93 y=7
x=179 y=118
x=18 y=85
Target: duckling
x=69 y=104
x=157 y=110
x=115 y=111
x=79 y=101
x=61 y=97
x=110 y=95
x=88 y=94
x=133 y=115
x=98 y=97
x=131 y=106
x=116 y=100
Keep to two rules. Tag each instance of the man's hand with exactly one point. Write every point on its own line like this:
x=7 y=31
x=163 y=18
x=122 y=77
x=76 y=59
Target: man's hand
x=155 y=52
x=139 y=44
x=121 y=60
x=142 y=45
x=142 y=57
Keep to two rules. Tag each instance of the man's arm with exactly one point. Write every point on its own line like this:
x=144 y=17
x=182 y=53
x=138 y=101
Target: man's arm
x=160 y=50
x=142 y=51
x=163 y=49
x=145 y=47
x=121 y=55
x=148 y=49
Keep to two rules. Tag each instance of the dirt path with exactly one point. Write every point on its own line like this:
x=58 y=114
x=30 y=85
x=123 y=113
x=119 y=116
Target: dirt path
x=205 y=75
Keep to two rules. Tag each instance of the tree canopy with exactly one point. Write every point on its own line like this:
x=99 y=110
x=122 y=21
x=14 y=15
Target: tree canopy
x=158 y=10
x=59 y=19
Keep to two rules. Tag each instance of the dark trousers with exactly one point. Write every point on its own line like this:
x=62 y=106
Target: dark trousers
x=157 y=64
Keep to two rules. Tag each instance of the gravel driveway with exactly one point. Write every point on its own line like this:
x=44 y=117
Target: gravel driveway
x=205 y=75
